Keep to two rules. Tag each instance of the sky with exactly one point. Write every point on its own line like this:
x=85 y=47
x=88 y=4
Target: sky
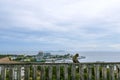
x=80 y=25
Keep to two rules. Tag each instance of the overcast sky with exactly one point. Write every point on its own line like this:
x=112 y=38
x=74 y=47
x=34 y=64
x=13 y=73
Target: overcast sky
x=83 y=25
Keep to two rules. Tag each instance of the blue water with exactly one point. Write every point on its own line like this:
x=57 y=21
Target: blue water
x=91 y=56
x=101 y=56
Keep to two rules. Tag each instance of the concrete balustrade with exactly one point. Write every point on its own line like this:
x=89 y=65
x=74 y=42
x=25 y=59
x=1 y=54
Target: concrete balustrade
x=60 y=71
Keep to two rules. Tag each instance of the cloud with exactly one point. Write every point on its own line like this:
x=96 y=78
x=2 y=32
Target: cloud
x=88 y=23
x=115 y=46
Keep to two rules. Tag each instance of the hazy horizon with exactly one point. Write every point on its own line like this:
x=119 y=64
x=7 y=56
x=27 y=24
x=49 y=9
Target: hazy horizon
x=91 y=56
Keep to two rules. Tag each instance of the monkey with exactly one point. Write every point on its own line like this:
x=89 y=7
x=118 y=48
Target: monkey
x=75 y=58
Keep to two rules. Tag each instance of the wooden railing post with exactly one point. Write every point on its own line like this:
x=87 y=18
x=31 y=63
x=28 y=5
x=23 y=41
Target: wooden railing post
x=104 y=72
x=19 y=72
x=73 y=71
x=65 y=72
x=112 y=72
x=58 y=72
x=42 y=73
x=109 y=71
x=50 y=72
x=81 y=72
x=118 y=71
x=3 y=74
x=97 y=72
x=34 y=69
x=12 y=73
x=27 y=72
x=89 y=72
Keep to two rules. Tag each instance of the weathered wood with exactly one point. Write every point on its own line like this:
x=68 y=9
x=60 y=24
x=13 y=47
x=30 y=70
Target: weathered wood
x=73 y=72
x=42 y=73
x=58 y=72
x=65 y=72
x=19 y=72
x=104 y=72
x=27 y=72
x=112 y=77
x=39 y=63
x=11 y=73
x=50 y=72
x=34 y=76
x=97 y=72
x=3 y=74
x=89 y=72
x=81 y=72
x=118 y=71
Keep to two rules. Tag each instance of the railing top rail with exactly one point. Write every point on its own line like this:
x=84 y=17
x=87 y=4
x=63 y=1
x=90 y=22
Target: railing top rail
x=39 y=63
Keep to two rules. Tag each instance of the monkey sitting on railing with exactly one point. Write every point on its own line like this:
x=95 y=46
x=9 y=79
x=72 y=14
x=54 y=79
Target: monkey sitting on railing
x=75 y=58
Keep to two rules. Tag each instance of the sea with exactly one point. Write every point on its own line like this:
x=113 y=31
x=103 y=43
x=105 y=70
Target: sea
x=96 y=56
x=90 y=56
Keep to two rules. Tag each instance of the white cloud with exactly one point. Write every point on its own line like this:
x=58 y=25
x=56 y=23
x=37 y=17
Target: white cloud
x=75 y=20
x=44 y=14
x=115 y=46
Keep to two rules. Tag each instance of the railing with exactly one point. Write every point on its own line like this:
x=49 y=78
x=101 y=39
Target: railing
x=60 y=71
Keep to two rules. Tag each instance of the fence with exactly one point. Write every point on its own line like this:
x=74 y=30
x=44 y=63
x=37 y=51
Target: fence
x=60 y=71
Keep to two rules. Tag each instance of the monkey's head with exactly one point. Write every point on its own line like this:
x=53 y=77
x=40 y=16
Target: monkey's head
x=77 y=55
